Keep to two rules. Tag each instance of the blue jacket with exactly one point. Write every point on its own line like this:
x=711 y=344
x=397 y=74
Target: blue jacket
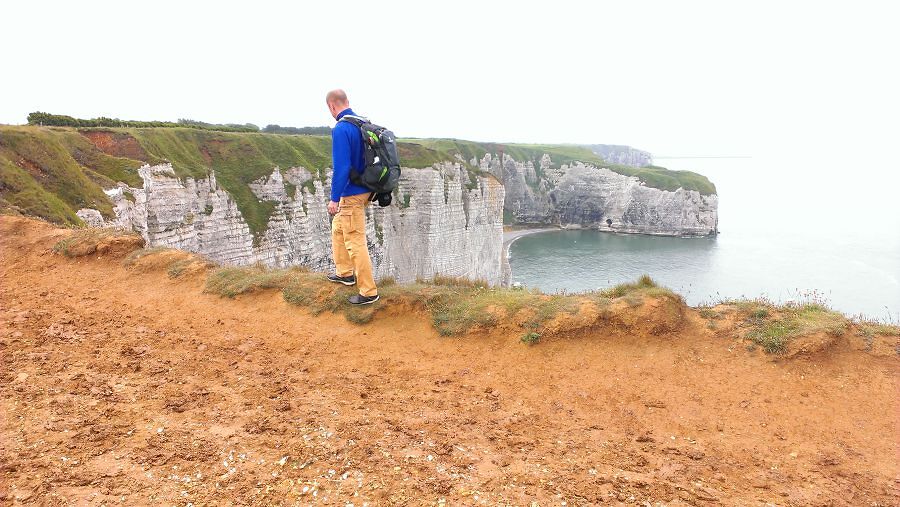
x=347 y=152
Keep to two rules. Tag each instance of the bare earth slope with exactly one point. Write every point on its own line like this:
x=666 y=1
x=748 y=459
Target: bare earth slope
x=124 y=385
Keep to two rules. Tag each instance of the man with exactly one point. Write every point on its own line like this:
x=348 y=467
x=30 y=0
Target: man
x=348 y=202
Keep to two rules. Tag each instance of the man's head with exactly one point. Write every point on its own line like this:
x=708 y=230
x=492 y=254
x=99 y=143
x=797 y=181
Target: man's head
x=337 y=102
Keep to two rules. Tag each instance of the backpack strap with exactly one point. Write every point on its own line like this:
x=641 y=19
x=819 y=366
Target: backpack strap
x=358 y=122
x=355 y=120
x=369 y=139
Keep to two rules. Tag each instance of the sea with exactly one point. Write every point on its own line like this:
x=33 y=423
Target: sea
x=787 y=233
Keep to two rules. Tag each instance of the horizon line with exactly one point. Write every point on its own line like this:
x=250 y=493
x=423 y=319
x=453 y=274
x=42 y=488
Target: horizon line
x=712 y=156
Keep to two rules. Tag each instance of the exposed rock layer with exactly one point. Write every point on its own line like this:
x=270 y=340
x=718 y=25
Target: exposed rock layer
x=440 y=225
x=580 y=195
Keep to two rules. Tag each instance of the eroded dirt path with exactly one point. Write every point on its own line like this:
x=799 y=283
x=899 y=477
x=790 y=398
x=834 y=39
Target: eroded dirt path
x=123 y=385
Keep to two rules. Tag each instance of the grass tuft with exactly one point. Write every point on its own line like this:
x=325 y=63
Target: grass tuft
x=772 y=326
x=869 y=328
x=531 y=338
x=623 y=289
x=453 y=281
x=178 y=267
x=233 y=281
x=773 y=336
x=633 y=293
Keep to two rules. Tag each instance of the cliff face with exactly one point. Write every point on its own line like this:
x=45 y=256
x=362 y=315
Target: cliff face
x=582 y=195
x=440 y=225
x=243 y=198
x=624 y=155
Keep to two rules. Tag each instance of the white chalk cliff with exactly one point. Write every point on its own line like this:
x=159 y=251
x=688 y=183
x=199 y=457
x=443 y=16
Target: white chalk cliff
x=438 y=225
x=444 y=221
x=579 y=195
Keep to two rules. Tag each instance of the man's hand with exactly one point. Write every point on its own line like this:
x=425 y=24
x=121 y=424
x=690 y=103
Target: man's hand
x=333 y=208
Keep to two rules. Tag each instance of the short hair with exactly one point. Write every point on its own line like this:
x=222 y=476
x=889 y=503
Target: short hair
x=337 y=96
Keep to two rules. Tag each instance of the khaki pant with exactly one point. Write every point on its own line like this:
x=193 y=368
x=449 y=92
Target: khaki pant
x=348 y=243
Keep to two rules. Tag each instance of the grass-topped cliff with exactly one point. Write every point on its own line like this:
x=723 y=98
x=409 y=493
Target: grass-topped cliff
x=51 y=172
x=416 y=150
x=69 y=168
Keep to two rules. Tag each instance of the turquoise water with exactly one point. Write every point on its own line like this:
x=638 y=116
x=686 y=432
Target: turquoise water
x=793 y=249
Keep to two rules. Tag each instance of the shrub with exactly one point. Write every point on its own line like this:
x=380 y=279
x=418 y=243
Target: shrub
x=531 y=338
x=61 y=120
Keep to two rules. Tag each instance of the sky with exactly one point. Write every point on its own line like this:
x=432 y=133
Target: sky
x=682 y=78
x=808 y=89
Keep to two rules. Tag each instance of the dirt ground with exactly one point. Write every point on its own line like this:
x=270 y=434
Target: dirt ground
x=122 y=385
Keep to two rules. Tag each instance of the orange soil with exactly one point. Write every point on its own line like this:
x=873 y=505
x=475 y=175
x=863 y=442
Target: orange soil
x=117 y=144
x=123 y=385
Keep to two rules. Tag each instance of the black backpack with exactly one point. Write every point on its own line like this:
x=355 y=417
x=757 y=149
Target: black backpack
x=382 y=171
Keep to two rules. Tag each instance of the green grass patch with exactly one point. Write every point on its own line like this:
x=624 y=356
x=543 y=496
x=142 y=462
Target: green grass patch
x=644 y=286
x=773 y=336
x=19 y=191
x=233 y=281
x=622 y=289
x=759 y=313
x=772 y=326
x=290 y=189
x=530 y=338
x=453 y=281
x=39 y=176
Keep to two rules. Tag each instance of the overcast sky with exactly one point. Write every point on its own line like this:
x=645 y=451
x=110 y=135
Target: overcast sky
x=674 y=78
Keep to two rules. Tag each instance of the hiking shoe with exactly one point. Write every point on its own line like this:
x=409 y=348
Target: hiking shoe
x=358 y=299
x=346 y=280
